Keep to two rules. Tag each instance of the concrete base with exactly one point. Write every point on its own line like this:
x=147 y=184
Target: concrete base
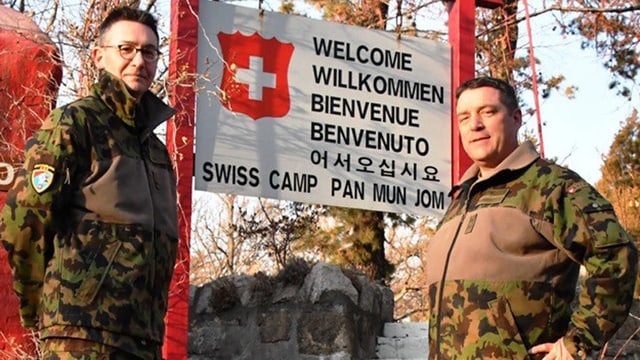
x=403 y=341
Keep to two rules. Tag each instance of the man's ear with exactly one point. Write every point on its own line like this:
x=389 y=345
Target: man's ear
x=517 y=117
x=97 y=55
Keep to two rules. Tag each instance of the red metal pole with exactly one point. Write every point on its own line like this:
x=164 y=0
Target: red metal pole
x=532 y=60
x=462 y=38
x=183 y=51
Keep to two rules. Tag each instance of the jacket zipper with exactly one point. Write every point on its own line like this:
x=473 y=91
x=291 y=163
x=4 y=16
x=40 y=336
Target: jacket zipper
x=152 y=276
x=444 y=271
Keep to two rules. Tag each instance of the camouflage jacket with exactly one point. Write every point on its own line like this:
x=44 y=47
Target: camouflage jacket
x=503 y=265
x=90 y=225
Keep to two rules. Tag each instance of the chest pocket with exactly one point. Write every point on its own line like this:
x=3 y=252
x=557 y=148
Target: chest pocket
x=104 y=143
x=491 y=197
x=158 y=152
x=162 y=181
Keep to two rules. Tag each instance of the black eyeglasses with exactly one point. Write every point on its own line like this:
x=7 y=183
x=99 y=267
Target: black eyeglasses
x=128 y=52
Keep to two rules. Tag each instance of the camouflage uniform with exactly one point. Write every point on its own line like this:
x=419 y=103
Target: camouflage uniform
x=504 y=262
x=76 y=349
x=91 y=224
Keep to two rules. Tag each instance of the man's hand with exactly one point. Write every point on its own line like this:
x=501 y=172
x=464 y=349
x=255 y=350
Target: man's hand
x=555 y=351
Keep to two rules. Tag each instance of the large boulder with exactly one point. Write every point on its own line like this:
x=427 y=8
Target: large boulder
x=322 y=312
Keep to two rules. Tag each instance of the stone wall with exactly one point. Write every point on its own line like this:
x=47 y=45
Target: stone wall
x=308 y=313
x=303 y=313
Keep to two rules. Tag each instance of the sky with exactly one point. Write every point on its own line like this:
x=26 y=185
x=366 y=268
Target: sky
x=577 y=132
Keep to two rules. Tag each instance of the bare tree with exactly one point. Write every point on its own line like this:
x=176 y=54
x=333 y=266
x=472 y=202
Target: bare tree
x=235 y=234
x=217 y=247
x=406 y=250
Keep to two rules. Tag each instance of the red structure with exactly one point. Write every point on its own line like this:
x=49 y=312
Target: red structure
x=183 y=55
x=180 y=134
x=462 y=38
x=29 y=83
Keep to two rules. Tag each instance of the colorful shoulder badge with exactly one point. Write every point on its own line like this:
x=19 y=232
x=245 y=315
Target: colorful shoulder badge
x=42 y=177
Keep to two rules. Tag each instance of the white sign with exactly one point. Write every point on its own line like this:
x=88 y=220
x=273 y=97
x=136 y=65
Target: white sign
x=299 y=109
x=7 y=175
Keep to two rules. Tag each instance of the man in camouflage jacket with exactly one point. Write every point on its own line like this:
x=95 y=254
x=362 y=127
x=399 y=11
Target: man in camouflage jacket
x=503 y=265
x=91 y=223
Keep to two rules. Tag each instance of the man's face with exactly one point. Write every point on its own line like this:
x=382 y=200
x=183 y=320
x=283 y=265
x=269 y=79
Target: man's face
x=487 y=128
x=137 y=73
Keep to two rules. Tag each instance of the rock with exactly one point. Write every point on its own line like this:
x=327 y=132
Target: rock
x=325 y=277
x=326 y=317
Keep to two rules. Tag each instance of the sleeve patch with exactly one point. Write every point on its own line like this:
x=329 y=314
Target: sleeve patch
x=42 y=177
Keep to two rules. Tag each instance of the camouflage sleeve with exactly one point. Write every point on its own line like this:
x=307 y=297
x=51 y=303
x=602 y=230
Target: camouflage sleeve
x=26 y=225
x=587 y=228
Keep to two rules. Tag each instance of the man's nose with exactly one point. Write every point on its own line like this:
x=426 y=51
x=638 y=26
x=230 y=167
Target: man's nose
x=475 y=121
x=138 y=60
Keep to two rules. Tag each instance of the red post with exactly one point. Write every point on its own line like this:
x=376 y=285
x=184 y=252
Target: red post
x=462 y=38
x=183 y=51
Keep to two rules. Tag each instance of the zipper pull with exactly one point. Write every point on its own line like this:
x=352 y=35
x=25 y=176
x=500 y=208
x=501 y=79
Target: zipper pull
x=67 y=174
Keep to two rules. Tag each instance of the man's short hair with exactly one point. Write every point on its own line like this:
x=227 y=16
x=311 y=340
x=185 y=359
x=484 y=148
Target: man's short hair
x=125 y=13
x=508 y=95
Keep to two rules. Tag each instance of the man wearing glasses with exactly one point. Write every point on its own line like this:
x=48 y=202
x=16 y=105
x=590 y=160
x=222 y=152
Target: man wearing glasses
x=91 y=226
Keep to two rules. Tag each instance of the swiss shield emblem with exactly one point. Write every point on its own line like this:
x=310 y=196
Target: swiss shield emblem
x=254 y=81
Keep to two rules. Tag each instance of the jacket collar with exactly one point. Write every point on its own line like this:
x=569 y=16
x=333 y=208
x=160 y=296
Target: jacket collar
x=117 y=98
x=521 y=157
